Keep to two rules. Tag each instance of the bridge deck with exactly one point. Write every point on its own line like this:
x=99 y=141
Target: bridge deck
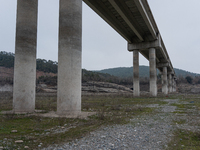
x=134 y=21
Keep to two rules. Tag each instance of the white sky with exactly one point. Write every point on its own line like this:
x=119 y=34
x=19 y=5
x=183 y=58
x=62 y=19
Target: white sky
x=177 y=20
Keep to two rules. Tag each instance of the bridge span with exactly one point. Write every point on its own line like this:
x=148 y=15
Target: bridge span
x=132 y=19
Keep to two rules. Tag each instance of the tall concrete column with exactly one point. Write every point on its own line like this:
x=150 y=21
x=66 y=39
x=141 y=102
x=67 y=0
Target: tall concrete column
x=170 y=82
x=153 y=71
x=25 y=56
x=136 y=82
x=165 y=83
x=69 y=57
x=174 y=85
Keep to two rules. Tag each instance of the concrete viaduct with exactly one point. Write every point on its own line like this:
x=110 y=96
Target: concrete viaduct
x=132 y=19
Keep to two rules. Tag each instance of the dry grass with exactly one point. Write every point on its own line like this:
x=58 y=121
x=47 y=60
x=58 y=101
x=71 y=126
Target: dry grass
x=187 y=138
x=111 y=109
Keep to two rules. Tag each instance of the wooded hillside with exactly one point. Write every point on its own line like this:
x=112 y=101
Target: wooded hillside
x=47 y=70
x=125 y=72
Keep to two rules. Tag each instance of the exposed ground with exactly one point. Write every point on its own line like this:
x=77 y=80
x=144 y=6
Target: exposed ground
x=122 y=122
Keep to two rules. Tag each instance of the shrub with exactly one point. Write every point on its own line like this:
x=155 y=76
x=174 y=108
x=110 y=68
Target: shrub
x=189 y=79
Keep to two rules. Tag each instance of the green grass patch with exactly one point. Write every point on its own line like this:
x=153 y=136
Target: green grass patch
x=34 y=130
x=185 y=140
x=181 y=121
x=180 y=106
x=179 y=112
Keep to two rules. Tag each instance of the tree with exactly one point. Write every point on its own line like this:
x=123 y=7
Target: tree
x=7 y=59
x=189 y=79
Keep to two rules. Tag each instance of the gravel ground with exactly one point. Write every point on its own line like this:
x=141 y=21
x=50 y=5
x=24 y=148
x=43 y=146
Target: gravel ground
x=144 y=132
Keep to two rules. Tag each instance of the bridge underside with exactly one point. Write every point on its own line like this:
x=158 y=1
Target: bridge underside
x=126 y=18
x=132 y=19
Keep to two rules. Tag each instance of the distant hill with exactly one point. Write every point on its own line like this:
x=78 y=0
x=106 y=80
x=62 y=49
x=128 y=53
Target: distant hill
x=47 y=71
x=180 y=72
x=125 y=72
x=7 y=60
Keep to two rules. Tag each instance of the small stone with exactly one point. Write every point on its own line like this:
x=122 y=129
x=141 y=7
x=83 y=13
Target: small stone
x=13 y=131
x=112 y=145
x=103 y=136
x=62 y=127
x=39 y=145
x=19 y=141
x=26 y=147
x=1 y=147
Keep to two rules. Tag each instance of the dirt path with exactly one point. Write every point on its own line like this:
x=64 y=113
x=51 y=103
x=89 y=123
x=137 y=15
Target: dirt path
x=149 y=131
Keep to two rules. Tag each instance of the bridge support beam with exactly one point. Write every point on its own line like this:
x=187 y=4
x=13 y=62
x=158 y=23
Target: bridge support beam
x=136 y=82
x=170 y=82
x=69 y=57
x=164 y=79
x=153 y=71
x=173 y=85
x=25 y=57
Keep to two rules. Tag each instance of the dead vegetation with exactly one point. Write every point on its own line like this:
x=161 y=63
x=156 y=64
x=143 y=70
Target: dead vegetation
x=111 y=109
x=32 y=130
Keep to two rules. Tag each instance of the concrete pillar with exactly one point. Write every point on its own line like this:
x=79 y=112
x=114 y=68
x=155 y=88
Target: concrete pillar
x=153 y=71
x=69 y=57
x=165 y=83
x=170 y=82
x=174 y=85
x=136 y=82
x=25 y=56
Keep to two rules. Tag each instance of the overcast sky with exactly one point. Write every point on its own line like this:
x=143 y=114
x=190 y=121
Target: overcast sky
x=177 y=20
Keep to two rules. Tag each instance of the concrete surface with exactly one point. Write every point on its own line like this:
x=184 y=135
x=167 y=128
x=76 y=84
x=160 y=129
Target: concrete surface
x=165 y=82
x=136 y=80
x=69 y=57
x=153 y=72
x=25 y=56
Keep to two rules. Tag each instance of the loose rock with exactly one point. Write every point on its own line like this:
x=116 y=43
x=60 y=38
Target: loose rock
x=13 y=131
x=26 y=147
x=19 y=141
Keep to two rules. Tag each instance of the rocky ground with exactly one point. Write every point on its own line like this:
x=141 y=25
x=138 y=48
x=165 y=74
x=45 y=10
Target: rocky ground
x=87 y=87
x=143 y=132
x=106 y=87
x=155 y=129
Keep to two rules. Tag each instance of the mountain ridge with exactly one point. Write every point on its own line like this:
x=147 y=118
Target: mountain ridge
x=125 y=72
x=48 y=66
